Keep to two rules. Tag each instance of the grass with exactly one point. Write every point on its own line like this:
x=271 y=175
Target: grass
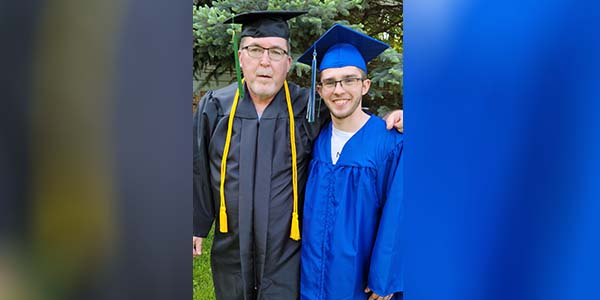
x=203 y=285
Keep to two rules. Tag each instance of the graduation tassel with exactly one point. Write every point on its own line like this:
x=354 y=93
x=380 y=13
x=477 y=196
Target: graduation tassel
x=295 y=234
x=310 y=109
x=238 y=71
x=223 y=220
x=295 y=230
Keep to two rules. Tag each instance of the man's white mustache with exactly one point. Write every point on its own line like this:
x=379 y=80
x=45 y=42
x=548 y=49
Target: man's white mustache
x=264 y=73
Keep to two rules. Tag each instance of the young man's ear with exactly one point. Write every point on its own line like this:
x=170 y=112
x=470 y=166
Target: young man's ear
x=319 y=90
x=366 y=84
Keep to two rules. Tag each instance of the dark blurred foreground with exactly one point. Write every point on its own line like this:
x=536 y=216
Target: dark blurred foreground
x=95 y=182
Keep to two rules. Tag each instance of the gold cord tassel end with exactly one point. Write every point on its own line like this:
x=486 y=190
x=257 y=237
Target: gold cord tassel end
x=295 y=233
x=223 y=220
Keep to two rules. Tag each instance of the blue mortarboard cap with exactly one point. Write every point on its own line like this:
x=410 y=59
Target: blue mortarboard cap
x=339 y=47
x=342 y=55
x=342 y=46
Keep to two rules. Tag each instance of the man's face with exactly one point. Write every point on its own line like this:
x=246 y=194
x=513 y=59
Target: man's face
x=264 y=75
x=342 y=90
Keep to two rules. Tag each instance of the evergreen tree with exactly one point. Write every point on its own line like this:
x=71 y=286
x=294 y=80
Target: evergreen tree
x=382 y=19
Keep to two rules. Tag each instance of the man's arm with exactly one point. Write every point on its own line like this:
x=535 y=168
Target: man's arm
x=386 y=268
x=204 y=211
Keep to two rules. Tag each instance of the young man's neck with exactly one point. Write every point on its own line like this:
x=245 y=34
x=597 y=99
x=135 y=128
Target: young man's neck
x=351 y=123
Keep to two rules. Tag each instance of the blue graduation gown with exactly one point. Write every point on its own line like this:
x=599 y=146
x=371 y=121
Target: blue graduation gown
x=352 y=234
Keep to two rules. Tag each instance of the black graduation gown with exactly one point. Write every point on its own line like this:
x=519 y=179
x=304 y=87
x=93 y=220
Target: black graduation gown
x=256 y=259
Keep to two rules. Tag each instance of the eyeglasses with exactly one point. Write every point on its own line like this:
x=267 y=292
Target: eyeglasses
x=344 y=83
x=275 y=54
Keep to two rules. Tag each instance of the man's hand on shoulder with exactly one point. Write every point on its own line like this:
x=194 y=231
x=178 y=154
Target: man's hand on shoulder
x=395 y=119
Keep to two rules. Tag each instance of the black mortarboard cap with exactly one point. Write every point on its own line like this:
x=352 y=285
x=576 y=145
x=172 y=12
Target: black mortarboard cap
x=260 y=24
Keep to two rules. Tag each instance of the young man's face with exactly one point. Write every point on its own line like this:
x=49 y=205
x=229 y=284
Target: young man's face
x=264 y=72
x=342 y=90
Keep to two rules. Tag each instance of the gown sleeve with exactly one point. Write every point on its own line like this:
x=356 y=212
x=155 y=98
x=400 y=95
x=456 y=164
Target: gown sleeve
x=386 y=268
x=204 y=207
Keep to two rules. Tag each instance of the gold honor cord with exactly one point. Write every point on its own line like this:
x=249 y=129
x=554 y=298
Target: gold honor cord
x=295 y=230
x=222 y=209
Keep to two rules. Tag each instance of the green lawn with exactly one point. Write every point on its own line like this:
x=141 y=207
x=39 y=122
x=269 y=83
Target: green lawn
x=203 y=285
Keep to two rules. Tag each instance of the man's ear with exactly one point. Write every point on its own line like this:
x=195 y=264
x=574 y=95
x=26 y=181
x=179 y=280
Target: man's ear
x=319 y=90
x=289 y=67
x=240 y=57
x=366 y=85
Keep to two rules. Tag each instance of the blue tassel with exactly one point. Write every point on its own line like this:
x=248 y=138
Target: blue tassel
x=310 y=109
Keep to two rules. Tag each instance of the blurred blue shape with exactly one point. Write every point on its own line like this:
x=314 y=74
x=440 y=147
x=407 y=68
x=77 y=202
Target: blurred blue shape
x=502 y=149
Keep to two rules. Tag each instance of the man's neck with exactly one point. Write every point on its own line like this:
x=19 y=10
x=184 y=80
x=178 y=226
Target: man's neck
x=260 y=104
x=351 y=123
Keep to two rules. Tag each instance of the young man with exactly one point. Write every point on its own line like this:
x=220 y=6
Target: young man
x=352 y=228
x=251 y=158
